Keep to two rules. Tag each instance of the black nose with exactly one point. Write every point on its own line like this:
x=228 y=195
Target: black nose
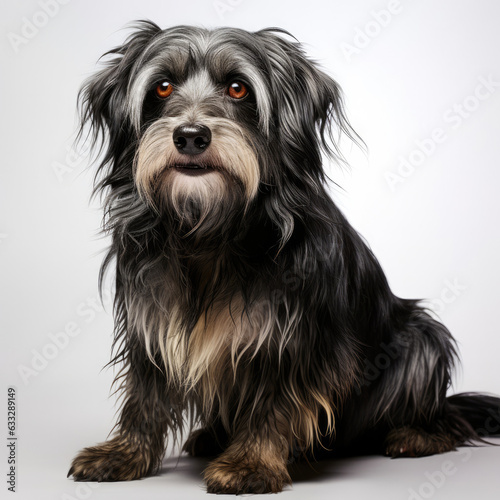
x=192 y=139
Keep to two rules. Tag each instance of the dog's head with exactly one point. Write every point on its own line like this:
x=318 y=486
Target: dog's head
x=202 y=122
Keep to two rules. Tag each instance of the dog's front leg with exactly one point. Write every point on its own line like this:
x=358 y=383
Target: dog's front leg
x=254 y=462
x=138 y=446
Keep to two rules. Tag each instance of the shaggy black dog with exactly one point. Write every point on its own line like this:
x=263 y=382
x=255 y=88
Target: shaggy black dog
x=246 y=306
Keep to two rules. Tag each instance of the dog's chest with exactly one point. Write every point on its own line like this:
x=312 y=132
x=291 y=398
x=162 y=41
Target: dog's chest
x=221 y=336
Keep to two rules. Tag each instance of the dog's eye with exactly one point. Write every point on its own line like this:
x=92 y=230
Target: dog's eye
x=164 y=89
x=237 y=90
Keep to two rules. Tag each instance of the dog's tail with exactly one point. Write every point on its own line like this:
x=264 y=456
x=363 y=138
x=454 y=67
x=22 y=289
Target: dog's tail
x=474 y=415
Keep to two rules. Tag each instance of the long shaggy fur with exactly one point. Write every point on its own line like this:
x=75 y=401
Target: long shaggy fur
x=246 y=305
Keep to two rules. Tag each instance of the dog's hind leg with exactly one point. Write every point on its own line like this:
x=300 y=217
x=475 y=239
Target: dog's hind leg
x=411 y=395
x=465 y=418
x=408 y=399
x=418 y=442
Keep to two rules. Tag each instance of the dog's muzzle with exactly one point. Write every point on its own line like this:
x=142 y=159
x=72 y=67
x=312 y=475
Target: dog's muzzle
x=192 y=139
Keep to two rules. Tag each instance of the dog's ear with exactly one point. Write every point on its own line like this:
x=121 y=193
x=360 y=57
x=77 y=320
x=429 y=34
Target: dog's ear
x=102 y=99
x=309 y=118
x=309 y=107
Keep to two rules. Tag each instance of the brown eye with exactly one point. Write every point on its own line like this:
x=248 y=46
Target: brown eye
x=164 y=89
x=237 y=90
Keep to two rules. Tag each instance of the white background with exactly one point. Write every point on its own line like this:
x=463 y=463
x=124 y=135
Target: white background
x=437 y=227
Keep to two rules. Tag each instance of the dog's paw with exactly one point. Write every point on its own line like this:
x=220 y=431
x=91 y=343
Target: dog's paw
x=412 y=442
x=223 y=477
x=202 y=443
x=114 y=460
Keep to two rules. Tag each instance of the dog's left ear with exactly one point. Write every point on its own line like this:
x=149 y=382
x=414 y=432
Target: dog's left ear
x=308 y=103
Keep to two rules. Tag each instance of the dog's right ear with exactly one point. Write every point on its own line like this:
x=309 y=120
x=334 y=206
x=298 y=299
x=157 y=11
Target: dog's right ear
x=102 y=100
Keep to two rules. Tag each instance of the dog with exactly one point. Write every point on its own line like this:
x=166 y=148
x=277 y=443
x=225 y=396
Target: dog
x=247 y=309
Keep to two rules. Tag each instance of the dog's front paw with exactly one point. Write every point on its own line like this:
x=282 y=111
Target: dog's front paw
x=114 y=460
x=241 y=478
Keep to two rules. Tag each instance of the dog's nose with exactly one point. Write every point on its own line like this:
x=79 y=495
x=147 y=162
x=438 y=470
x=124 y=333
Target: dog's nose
x=192 y=139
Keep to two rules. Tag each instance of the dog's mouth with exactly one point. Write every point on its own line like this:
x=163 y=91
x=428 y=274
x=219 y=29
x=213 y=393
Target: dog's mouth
x=194 y=169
